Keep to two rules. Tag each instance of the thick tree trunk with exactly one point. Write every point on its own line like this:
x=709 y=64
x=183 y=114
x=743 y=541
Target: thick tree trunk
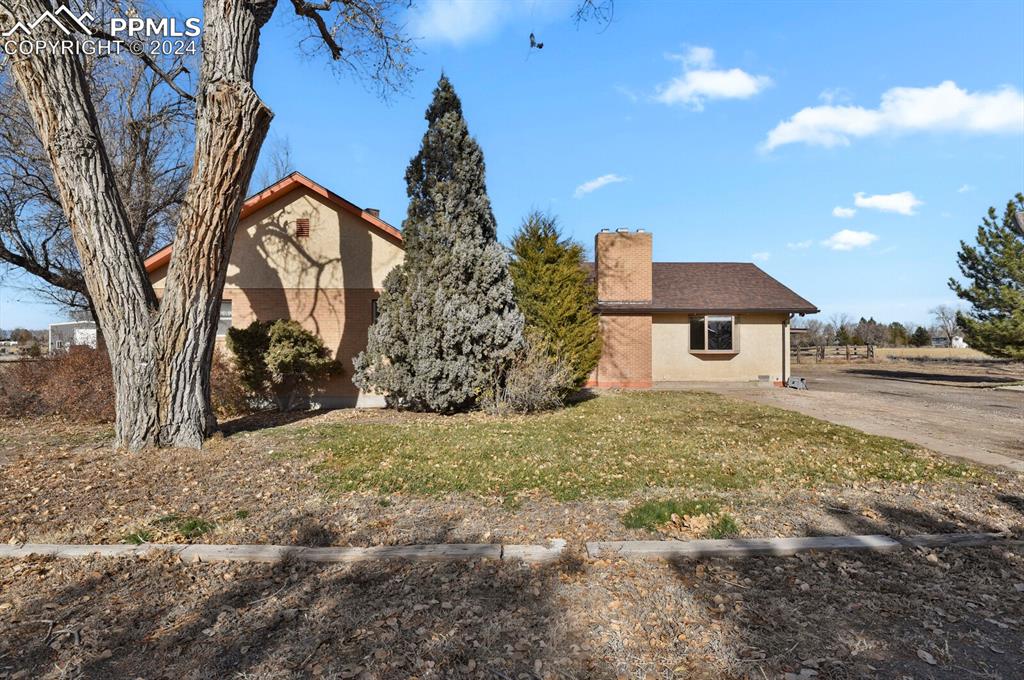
x=231 y=124
x=54 y=88
x=160 y=358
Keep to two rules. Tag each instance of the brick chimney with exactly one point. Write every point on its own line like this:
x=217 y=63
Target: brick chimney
x=622 y=263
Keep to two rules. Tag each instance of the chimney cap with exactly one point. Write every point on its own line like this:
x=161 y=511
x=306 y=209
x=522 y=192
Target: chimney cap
x=605 y=230
x=373 y=211
x=640 y=231
x=622 y=230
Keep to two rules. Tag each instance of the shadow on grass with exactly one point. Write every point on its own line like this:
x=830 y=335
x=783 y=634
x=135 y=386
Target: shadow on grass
x=157 y=617
x=867 y=614
x=263 y=420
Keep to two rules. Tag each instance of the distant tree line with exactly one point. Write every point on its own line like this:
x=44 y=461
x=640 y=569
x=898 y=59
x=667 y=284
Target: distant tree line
x=841 y=329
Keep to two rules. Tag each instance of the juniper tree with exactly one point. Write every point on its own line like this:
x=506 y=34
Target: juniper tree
x=447 y=321
x=556 y=295
x=995 y=270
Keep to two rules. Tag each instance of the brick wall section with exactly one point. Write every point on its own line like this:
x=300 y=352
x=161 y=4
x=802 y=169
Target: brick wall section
x=624 y=274
x=341 y=317
x=623 y=265
x=626 y=358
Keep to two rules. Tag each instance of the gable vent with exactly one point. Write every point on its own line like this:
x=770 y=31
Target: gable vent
x=302 y=227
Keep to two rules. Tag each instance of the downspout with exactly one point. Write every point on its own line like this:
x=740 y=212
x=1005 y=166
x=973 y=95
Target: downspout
x=785 y=329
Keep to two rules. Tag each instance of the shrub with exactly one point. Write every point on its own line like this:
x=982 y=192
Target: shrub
x=228 y=394
x=76 y=385
x=556 y=296
x=534 y=381
x=280 y=360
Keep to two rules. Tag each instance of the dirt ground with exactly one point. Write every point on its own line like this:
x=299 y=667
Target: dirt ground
x=945 y=614
x=919 y=614
x=950 y=407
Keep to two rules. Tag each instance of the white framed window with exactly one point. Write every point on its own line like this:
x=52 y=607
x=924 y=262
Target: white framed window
x=713 y=333
x=224 y=323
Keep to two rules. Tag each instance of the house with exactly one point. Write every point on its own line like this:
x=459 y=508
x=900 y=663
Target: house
x=69 y=334
x=956 y=342
x=302 y=252
x=665 y=322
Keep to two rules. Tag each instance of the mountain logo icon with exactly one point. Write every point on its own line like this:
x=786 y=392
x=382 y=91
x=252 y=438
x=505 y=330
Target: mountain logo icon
x=66 y=21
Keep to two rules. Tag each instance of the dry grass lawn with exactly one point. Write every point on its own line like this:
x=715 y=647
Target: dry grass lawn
x=609 y=447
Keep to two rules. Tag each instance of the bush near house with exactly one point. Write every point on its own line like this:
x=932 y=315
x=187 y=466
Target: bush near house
x=557 y=297
x=280 y=360
x=535 y=381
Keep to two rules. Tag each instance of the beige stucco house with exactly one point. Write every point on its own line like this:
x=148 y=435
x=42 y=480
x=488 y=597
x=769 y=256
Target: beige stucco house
x=665 y=322
x=302 y=252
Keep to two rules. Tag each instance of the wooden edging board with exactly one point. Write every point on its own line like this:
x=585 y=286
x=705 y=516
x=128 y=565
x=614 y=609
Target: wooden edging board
x=749 y=547
x=280 y=553
x=730 y=547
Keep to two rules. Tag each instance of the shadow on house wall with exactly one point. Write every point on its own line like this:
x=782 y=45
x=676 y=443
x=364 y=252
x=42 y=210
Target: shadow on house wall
x=325 y=280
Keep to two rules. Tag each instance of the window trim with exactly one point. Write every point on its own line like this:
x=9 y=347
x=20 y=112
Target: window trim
x=733 y=320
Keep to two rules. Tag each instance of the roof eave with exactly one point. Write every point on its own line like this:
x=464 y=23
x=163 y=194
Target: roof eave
x=650 y=309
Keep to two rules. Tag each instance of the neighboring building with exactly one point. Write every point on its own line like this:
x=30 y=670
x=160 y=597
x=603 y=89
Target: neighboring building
x=305 y=253
x=666 y=322
x=72 y=334
x=957 y=342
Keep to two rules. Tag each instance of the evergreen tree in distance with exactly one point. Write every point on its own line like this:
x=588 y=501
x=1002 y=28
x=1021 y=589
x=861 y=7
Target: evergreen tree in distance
x=556 y=295
x=447 y=321
x=995 y=272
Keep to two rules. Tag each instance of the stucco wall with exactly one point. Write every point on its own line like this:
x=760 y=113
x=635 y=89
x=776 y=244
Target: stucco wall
x=763 y=342
x=325 y=281
x=341 y=251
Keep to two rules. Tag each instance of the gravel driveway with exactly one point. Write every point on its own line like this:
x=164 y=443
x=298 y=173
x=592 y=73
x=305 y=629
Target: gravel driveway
x=950 y=408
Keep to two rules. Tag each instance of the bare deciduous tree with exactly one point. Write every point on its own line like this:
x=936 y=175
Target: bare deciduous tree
x=161 y=353
x=945 y=321
x=147 y=130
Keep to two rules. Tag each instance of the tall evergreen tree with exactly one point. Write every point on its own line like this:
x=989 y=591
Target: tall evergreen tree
x=447 y=322
x=995 y=271
x=556 y=296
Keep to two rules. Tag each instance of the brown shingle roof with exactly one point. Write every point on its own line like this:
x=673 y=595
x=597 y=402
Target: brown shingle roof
x=716 y=287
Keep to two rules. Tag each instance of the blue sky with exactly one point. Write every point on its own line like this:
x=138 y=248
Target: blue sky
x=844 y=147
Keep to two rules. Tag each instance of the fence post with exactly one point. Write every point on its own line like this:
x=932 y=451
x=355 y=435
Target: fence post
x=847 y=352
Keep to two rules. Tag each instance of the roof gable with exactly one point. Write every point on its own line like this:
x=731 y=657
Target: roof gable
x=279 y=190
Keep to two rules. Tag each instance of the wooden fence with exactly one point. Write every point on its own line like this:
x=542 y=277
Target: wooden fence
x=816 y=353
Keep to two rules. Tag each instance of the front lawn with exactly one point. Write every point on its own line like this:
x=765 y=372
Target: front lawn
x=611 y=446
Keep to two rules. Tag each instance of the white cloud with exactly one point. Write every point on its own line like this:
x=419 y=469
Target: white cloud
x=903 y=202
x=596 y=183
x=800 y=245
x=844 y=213
x=761 y=257
x=903 y=110
x=458 y=21
x=848 y=239
x=700 y=81
x=965 y=189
